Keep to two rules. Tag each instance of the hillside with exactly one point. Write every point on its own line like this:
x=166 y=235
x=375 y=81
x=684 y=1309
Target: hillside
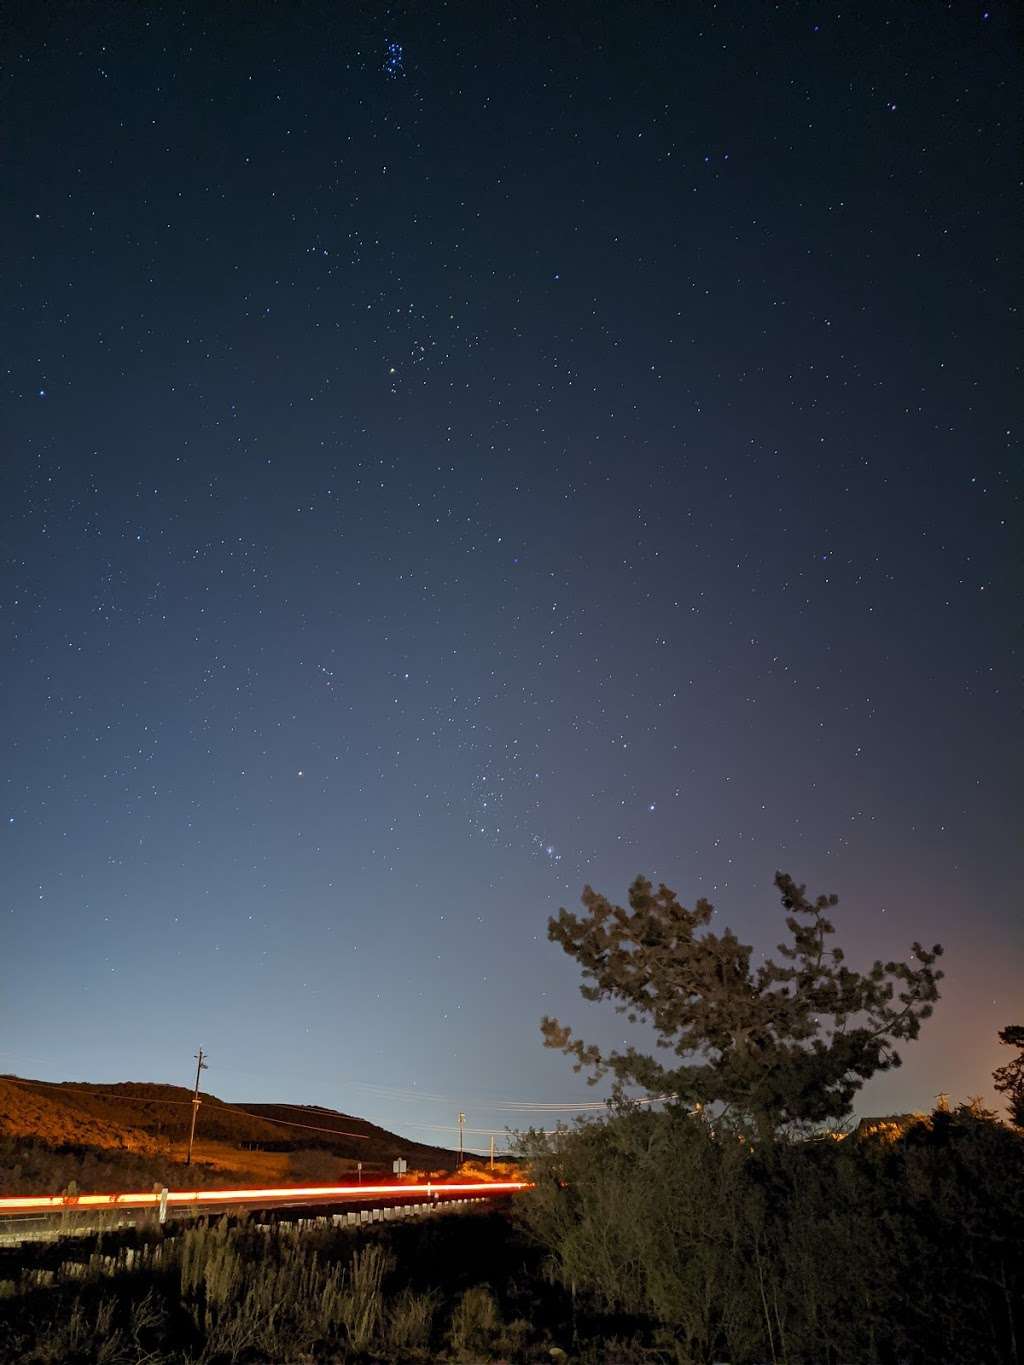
x=77 y=1130
x=47 y=1116
x=349 y=1136
x=128 y=1114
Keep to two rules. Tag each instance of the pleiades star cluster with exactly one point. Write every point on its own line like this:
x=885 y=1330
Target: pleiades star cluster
x=454 y=454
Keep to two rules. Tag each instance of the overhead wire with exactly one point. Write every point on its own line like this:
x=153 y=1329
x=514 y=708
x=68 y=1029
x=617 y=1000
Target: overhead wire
x=506 y=1105
x=501 y=1105
x=147 y=1099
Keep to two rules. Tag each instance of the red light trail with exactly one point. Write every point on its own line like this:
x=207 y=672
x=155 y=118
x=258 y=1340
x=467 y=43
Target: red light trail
x=34 y=1203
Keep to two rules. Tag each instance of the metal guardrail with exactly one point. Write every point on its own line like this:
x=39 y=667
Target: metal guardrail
x=84 y=1257
x=50 y=1217
x=54 y=1203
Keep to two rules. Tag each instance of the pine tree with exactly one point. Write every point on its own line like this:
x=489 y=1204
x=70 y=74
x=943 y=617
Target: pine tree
x=790 y=1043
x=1010 y=1078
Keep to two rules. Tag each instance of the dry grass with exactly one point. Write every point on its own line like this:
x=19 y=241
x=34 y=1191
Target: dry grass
x=261 y=1168
x=46 y=1115
x=152 y=1120
x=239 y=1292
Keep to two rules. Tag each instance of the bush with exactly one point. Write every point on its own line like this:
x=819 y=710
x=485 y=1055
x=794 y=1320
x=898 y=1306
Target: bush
x=314 y=1166
x=28 y=1166
x=235 y=1292
x=410 y=1319
x=807 y=1252
x=476 y=1323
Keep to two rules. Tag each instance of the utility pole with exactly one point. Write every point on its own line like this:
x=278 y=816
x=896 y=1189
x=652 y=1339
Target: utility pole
x=462 y=1125
x=196 y=1102
x=492 y=1151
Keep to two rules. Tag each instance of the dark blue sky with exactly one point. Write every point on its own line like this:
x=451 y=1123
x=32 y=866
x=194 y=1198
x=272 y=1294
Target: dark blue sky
x=456 y=453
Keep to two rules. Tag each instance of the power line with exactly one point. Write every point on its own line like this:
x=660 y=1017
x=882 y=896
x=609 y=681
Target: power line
x=181 y=1104
x=96 y=1094
x=539 y=1107
x=406 y=1093
x=288 y=1123
x=453 y=1128
x=504 y=1104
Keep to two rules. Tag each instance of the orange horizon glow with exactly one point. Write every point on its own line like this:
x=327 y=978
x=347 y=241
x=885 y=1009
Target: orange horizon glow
x=29 y=1203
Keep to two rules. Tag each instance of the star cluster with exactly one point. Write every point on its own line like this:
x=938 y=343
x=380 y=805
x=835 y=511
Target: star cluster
x=586 y=449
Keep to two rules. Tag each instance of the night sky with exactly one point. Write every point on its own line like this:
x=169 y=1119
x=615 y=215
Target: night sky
x=455 y=453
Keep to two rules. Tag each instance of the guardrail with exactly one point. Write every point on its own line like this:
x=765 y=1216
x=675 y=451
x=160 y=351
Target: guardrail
x=164 y=1199
x=86 y=1258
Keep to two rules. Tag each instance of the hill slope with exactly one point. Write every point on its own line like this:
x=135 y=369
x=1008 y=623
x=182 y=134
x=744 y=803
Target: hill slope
x=152 y=1119
x=48 y=1117
x=356 y=1138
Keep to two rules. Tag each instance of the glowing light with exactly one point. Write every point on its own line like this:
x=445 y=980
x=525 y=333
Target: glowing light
x=34 y=1203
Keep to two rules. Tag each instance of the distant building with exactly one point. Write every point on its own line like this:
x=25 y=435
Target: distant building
x=888 y=1126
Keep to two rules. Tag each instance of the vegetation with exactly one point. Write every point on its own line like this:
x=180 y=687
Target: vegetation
x=650 y=1236
x=906 y=1245
x=731 y=1221
x=789 y=1043
x=28 y=1166
x=1009 y=1079
x=143 y=1116
x=132 y=1135
x=451 y=1287
x=732 y=1224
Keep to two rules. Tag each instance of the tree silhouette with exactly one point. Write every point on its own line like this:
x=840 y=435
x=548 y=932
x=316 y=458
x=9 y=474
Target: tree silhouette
x=1010 y=1078
x=789 y=1043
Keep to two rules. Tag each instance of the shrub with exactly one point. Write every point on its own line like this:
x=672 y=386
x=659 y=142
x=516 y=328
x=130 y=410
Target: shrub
x=807 y=1252
x=410 y=1319
x=476 y=1323
x=361 y=1305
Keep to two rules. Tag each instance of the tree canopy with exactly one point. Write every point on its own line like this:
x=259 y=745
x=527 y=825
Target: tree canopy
x=1010 y=1078
x=789 y=1042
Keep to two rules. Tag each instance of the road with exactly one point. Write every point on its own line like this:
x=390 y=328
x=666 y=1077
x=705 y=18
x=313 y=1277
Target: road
x=14 y=1208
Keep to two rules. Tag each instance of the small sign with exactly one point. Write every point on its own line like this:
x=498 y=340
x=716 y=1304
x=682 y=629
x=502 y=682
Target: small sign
x=400 y=1166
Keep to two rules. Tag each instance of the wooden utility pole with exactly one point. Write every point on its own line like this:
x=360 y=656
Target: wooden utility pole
x=196 y=1102
x=492 y=1151
x=462 y=1124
